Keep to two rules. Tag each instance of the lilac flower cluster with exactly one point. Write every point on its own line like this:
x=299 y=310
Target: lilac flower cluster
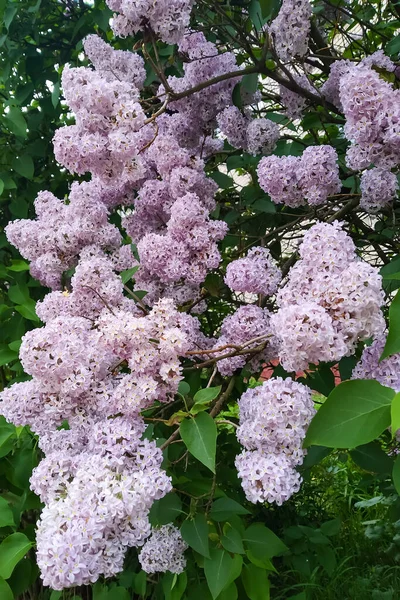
x=371 y=107
x=290 y=180
x=387 y=371
x=378 y=188
x=291 y=28
x=167 y=18
x=273 y=419
x=54 y=240
x=256 y=136
x=331 y=301
x=257 y=273
x=249 y=326
x=163 y=551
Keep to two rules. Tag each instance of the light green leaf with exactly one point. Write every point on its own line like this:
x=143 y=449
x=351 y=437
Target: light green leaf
x=395 y=414
x=6 y=514
x=221 y=570
x=5 y=590
x=224 y=508
x=203 y=397
x=55 y=94
x=24 y=166
x=256 y=582
x=396 y=474
x=392 y=345
x=200 y=437
x=128 y=274
x=262 y=542
x=12 y=549
x=18 y=265
x=7 y=356
x=19 y=294
x=28 y=311
x=355 y=413
x=195 y=533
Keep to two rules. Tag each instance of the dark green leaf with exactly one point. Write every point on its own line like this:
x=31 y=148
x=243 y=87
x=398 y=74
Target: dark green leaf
x=232 y=540
x=16 y=121
x=5 y=590
x=372 y=458
x=195 y=533
x=6 y=515
x=396 y=474
x=200 y=437
x=331 y=527
x=355 y=413
x=223 y=508
x=223 y=180
x=166 y=510
x=220 y=570
x=24 y=166
x=261 y=541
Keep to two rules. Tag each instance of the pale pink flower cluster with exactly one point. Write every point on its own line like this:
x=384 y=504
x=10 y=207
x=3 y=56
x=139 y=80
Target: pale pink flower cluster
x=371 y=106
x=256 y=136
x=257 y=273
x=386 y=371
x=378 y=189
x=167 y=18
x=291 y=180
x=163 y=551
x=294 y=103
x=61 y=231
x=291 y=28
x=273 y=420
x=331 y=301
x=249 y=326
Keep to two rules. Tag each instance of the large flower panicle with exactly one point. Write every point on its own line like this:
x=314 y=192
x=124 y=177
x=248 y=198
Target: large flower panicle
x=378 y=188
x=273 y=420
x=291 y=28
x=292 y=180
x=257 y=273
x=331 y=301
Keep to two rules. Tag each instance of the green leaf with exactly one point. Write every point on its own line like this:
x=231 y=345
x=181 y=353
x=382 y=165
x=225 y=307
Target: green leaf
x=223 y=180
x=393 y=47
x=355 y=413
x=372 y=458
x=16 y=121
x=232 y=540
x=249 y=82
x=5 y=590
x=200 y=437
x=264 y=205
x=331 y=527
x=204 y=397
x=255 y=582
x=1 y=186
x=7 y=356
x=262 y=563
x=6 y=514
x=396 y=474
x=166 y=510
x=392 y=345
x=220 y=570
x=262 y=542
x=224 y=508
x=12 y=549
x=18 y=265
x=183 y=388
x=195 y=533
x=19 y=294
x=24 y=166
x=128 y=274
x=28 y=311
x=395 y=414
x=256 y=14
x=55 y=94
x=327 y=558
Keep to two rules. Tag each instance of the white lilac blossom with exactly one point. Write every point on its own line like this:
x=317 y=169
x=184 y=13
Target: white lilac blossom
x=163 y=551
x=290 y=180
x=257 y=273
x=386 y=371
x=378 y=189
x=273 y=420
x=291 y=28
x=331 y=301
